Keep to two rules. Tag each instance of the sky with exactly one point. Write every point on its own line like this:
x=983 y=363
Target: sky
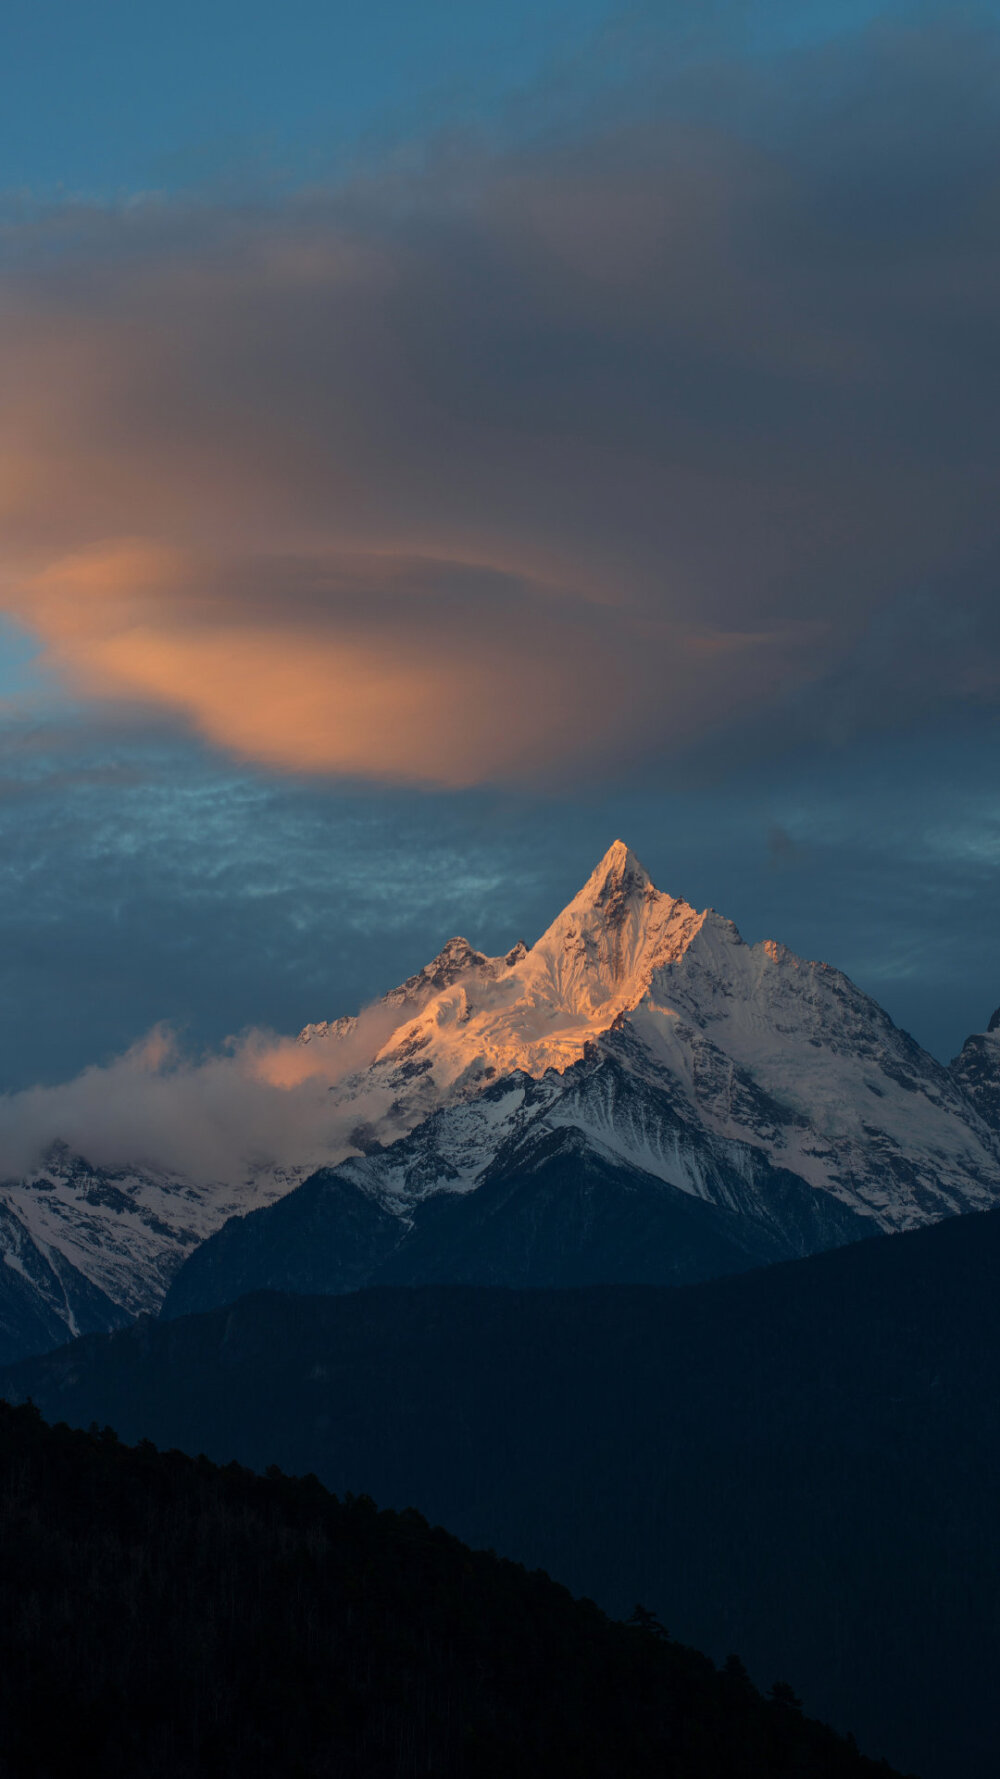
x=438 y=439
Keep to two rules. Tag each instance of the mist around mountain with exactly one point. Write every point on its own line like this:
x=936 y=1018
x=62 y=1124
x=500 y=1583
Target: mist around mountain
x=799 y=1463
x=639 y=1096
x=167 y=1619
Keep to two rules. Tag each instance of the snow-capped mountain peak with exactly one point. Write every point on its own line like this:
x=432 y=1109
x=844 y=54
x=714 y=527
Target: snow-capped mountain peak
x=619 y=874
x=755 y=1044
x=473 y=1018
x=739 y=1076
x=598 y=956
x=456 y=960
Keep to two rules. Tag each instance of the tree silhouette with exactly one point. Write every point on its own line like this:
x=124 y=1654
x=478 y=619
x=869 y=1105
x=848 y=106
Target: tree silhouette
x=647 y=1621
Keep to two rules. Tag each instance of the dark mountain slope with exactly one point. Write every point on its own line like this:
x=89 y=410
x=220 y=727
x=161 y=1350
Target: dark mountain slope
x=564 y=1214
x=326 y=1236
x=164 y=1619
x=43 y=1296
x=568 y=1215
x=801 y=1463
x=553 y=1207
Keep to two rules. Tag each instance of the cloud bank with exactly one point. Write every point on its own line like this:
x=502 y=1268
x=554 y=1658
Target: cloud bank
x=264 y=1100
x=534 y=464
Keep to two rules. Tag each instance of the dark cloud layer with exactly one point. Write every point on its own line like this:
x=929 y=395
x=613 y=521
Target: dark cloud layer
x=536 y=465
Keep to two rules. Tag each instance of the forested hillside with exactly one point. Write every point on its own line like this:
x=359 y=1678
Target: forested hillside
x=799 y=1463
x=168 y=1619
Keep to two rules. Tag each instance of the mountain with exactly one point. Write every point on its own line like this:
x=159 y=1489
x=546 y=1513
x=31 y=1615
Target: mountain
x=977 y=1070
x=530 y=1183
x=799 y=1463
x=87 y=1248
x=754 y=1044
x=638 y=1095
x=165 y=1618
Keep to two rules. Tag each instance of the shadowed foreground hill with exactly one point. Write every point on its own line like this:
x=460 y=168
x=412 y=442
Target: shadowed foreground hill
x=164 y=1618
x=800 y=1463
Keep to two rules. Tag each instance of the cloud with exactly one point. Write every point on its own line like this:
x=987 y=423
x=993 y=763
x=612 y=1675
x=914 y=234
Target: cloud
x=541 y=463
x=262 y=1100
x=389 y=666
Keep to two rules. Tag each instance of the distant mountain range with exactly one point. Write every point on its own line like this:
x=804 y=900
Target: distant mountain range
x=799 y=1463
x=640 y=1096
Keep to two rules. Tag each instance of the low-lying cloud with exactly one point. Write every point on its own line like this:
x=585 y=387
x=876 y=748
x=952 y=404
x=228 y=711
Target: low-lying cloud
x=262 y=1101
x=540 y=463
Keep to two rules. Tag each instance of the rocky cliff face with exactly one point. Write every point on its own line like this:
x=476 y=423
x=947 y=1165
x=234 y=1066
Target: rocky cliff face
x=976 y=1071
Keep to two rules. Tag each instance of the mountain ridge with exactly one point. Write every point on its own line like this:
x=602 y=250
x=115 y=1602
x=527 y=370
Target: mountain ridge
x=686 y=1057
x=762 y=1086
x=798 y=1462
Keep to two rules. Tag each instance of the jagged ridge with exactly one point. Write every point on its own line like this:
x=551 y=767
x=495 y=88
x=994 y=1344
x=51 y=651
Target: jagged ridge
x=765 y=1087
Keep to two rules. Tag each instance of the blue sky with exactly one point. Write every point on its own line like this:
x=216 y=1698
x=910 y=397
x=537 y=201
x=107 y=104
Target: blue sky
x=602 y=398
x=114 y=99
x=117 y=98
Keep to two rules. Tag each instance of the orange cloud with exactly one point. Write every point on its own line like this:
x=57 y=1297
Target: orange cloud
x=375 y=666
x=377 y=679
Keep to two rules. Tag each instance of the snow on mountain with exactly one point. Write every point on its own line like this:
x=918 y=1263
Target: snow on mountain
x=791 y=1056
x=740 y=1076
x=759 y=1046
x=87 y=1248
x=615 y=1106
x=454 y=961
x=537 y=1009
x=976 y=1069
x=467 y=1019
